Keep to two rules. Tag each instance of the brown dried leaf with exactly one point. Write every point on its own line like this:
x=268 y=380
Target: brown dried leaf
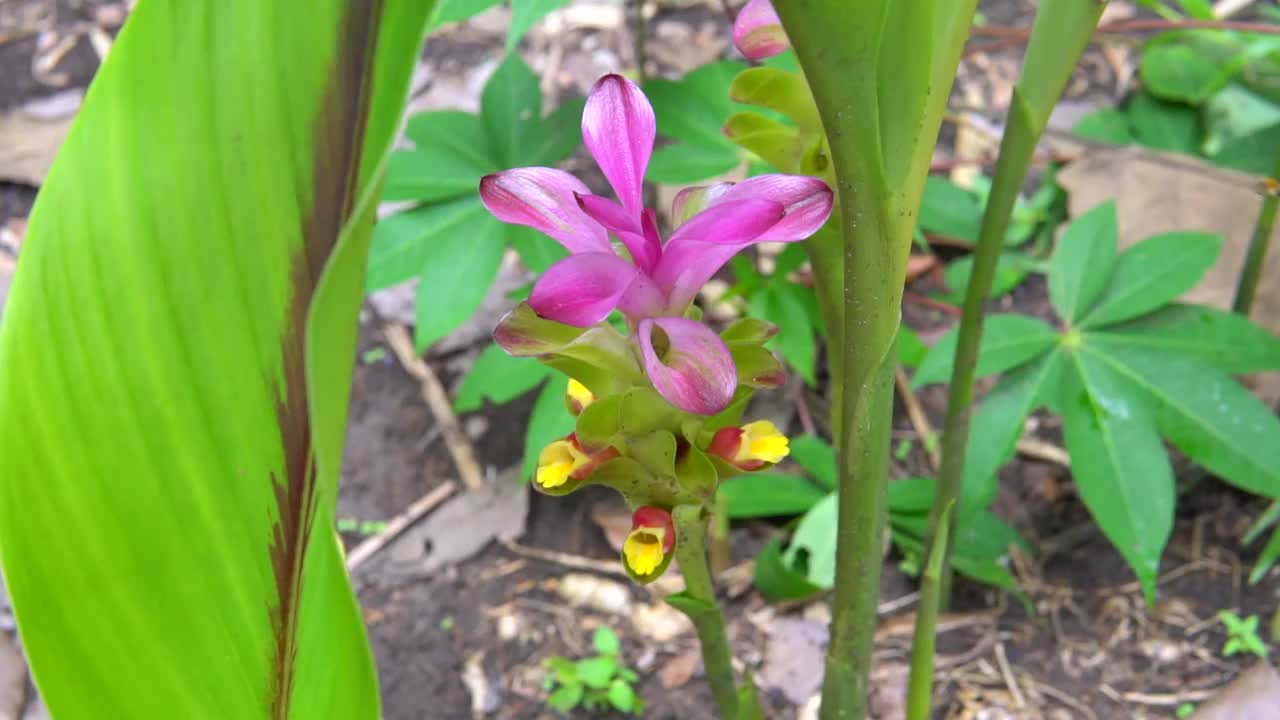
x=677 y=671
x=1255 y=693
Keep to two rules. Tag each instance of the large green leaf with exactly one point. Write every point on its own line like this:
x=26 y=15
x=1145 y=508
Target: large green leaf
x=500 y=377
x=781 y=302
x=1152 y=273
x=1008 y=340
x=1164 y=125
x=1205 y=413
x=177 y=353
x=1082 y=262
x=691 y=111
x=766 y=494
x=1225 y=340
x=997 y=425
x=1119 y=464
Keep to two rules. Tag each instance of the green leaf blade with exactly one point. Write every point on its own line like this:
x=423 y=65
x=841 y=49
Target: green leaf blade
x=769 y=494
x=1119 y=464
x=1206 y=414
x=1082 y=262
x=196 y=334
x=1217 y=338
x=1008 y=341
x=1152 y=273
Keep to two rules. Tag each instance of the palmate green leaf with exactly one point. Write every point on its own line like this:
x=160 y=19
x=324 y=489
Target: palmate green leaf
x=1233 y=113
x=1252 y=153
x=525 y=14
x=777 y=580
x=549 y=422
x=997 y=425
x=1119 y=465
x=499 y=377
x=1011 y=269
x=1164 y=125
x=1152 y=273
x=691 y=111
x=781 y=303
x=1008 y=340
x=1082 y=262
x=769 y=494
x=1107 y=125
x=1217 y=338
x=450 y=11
x=402 y=243
x=1203 y=412
x=817 y=457
x=949 y=210
x=450 y=156
x=815 y=535
x=458 y=270
x=178 y=346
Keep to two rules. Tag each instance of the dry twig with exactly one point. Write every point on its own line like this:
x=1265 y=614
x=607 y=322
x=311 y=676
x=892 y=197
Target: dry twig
x=397 y=525
x=919 y=420
x=607 y=567
x=464 y=455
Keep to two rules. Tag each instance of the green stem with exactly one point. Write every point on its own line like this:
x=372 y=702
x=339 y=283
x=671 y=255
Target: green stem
x=708 y=621
x=880 y=156
x=1252 y=270
x=1061 y=30
x=919 y=695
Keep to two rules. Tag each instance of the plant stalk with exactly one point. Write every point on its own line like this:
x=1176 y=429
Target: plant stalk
x=1058 y=37
x=708 y=621
x=1253 y=262
x=849 y=51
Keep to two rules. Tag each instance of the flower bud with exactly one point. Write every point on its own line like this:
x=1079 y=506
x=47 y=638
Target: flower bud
x=753 y=446
x=577 y=397
x=647 y=550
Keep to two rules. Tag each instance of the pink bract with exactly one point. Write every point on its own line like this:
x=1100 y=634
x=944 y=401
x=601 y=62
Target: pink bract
x=654 y=283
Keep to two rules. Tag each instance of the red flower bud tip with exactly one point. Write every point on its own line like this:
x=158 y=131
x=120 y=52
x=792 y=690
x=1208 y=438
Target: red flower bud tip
x=652 y=537
x=751 y=447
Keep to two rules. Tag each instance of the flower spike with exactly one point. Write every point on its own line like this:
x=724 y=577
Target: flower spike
x=751 y=447
x=646 y=552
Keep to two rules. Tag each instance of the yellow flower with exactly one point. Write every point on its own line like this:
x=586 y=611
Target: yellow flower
x=750 y=447
x=652 y=537
x=761 y=440
x=558 y=461
x=577 y=397
x=643 y=549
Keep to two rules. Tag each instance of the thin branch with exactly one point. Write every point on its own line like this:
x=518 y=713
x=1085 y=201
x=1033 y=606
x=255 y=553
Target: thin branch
x=433 y=392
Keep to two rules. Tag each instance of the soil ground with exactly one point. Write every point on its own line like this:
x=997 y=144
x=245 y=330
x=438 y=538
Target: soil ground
x=469 y=638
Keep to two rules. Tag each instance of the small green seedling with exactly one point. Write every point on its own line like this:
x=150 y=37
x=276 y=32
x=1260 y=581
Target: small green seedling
x=593 y=683
x=1242 y=635
x=361 y=527
x=1184 y=710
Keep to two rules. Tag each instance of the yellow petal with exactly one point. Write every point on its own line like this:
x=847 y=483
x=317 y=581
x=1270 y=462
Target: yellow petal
x=761 y=440
x=643 y=550
x=557 y=462
x=579 y=394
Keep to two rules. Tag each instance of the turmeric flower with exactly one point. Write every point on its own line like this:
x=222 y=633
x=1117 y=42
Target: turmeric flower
x=651 y=281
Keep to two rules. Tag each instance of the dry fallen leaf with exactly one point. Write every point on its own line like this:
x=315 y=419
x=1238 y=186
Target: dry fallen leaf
x=30 y=136
x=13 y=679
x=458 y=529
x=1163 y=192
x=660 y=622
x=794 y=658
x=594 y=592
x=677 y=671
x=1255 y=693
